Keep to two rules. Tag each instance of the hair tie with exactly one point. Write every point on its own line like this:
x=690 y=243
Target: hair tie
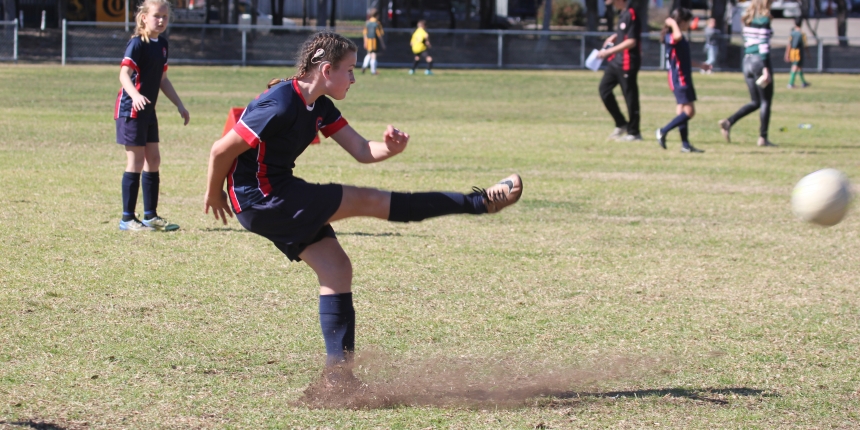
x=318 y=56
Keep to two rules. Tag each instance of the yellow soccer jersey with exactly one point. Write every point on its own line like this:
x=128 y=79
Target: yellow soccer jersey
x=418 y=39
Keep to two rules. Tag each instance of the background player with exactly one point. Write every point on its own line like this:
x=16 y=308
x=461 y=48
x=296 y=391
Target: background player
x=757 y=68
x=795 y=52
x=142 y=73
x=421 y=48
x=257 y=158
x=624 y=53
x=372 y=40
x=679 y=63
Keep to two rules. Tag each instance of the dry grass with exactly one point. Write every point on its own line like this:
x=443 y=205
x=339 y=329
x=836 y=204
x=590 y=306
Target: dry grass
x=617 y=253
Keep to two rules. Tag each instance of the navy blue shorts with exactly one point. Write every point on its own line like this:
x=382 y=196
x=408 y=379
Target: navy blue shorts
x=294 y=216
x=137 y=131
x=684 y=95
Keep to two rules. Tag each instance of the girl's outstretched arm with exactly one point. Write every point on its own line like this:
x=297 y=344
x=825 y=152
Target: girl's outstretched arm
x=367 y=151
x=676 y=30
x=224 y=152
x=167 y=89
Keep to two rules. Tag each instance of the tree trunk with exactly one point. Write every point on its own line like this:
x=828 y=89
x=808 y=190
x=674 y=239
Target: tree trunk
x=842 y=22
x=277 y=12
x=322 y=11
x=333 y=11
x=591 y=15
x=547 y=14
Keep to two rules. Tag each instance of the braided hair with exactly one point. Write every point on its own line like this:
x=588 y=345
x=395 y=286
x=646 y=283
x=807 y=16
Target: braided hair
x=321 y=47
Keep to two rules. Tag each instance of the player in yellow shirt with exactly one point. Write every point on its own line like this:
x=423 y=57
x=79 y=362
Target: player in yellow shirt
x=372 y=40
x=420 y=47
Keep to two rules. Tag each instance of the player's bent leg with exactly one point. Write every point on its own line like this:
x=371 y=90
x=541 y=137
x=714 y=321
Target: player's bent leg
x=331 y=264
x=689 y=109
x=357 y=201
x=336 y=311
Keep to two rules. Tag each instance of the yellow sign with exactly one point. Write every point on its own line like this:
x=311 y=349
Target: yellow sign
x=110 y=11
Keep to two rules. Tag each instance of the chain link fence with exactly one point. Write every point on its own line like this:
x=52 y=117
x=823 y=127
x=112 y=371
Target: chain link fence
x=9 y=40
x=90 y=42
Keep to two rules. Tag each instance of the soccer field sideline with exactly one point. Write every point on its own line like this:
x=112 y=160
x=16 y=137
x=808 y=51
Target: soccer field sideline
x=618 y=250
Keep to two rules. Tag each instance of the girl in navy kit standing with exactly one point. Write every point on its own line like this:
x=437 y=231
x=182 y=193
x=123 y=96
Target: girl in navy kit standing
x=256 y=159
x=143 y=72
x=680 y=64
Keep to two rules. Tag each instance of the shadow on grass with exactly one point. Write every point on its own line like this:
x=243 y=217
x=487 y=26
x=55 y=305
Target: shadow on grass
x=362 y=234
x=223 y=229
x=703 y=394
x=33 y=424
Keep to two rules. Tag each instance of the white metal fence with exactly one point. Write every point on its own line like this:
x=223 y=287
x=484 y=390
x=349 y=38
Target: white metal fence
x=9 y=40
x=91 y=42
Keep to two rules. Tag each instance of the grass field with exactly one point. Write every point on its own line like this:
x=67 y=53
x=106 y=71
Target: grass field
x=632 y=287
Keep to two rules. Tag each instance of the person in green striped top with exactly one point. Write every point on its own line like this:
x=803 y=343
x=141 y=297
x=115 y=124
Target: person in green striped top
x=757 y=69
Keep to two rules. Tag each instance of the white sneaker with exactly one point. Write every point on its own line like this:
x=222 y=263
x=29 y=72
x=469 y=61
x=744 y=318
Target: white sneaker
x=617 y=133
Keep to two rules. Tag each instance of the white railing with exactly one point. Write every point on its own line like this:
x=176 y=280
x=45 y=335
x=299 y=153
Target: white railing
x=9 y=40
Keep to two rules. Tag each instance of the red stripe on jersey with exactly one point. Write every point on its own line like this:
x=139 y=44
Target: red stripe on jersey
x=681 y=80
x=299 y=91
x=165 y=68
x=669 y=78
x=632 y=14
x=334 y=127
x=118 y=102
x=262 y=168
x=626 y=58
x=231 y=191
x=250 y=137
x=129 y=62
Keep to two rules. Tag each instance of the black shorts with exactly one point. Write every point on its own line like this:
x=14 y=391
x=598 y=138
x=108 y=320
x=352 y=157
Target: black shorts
x=137 y=131
x=684 y=95
x=295 y=216
x=423 y=54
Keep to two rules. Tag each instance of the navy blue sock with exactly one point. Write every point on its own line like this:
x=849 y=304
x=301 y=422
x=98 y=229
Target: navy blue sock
x=130 y=187
x=337 y=320
x=149 y=185
x=675 y=122
x=683 y=130
x=406 y=207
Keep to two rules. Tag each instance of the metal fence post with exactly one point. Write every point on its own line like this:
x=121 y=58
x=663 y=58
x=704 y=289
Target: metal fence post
x=500 y=49
x=65 y=28
x=820 y=56
x=582 y=52
x=15 y=41
x=663 y=56
x=244 y=47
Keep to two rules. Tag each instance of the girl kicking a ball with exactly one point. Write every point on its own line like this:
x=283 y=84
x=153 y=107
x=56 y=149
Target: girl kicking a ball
x=143 y=73
x=256 y=159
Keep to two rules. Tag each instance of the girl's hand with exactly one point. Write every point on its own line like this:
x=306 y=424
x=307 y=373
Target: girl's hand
x=184 y=114
x=395 y=139
x=602 y=54
x=139 y=102
x=219 y=205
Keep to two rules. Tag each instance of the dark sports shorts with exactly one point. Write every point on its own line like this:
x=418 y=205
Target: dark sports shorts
x=295 y=216
x=684 y=95
x=136 y=131
x=423 y=54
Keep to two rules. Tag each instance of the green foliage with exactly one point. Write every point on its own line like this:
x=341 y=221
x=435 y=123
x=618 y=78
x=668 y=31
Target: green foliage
x=564 y=12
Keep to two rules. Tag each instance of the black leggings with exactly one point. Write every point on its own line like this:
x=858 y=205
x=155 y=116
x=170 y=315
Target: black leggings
x=760 y=97
x=612 y=77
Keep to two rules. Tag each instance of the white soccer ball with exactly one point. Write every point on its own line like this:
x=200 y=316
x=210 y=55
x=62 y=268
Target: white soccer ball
x=822 y=197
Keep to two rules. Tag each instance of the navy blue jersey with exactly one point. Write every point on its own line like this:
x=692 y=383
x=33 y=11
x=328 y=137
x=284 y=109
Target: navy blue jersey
x=148 y=62
x=628 y=28
x=678 y=62
x=278 y=125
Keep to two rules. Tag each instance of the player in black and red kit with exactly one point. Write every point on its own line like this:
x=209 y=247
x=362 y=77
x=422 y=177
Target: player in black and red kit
x=256 y=158
x=143 y=73
x=679 y=64
x=623 y=51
